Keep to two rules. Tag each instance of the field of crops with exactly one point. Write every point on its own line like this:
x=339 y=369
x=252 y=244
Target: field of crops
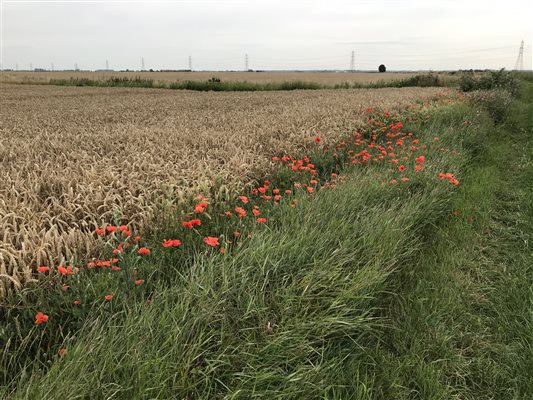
x=326 y=78
x=73 y=159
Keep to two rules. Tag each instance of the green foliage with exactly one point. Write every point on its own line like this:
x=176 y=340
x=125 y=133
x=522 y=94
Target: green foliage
x=492 y=80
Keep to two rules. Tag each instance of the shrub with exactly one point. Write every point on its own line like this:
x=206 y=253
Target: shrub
x=382 y=68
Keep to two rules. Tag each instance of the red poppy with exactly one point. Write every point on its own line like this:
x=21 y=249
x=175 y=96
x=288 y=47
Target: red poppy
x=191 y=223
x=240 y=211
x=122 y=228
x=454 y=181
x=261 y=220
x=401 y=168
x=275 y=158
x=275 y=191
x=420 y=160
x=111 y=229
x=277 y=197
x=262 y=189
x=236 y=234
x=310 y=189
x=314 y=182
x=76 y=302
x=228 y=213
x=317 y=139
x=43 y=269
x=244 y=199
x=139 y=281
x=137 y=239
x=200 y=207
x=40 y=318
x=211 y=241
x=100 y=231
x=143 y=251
x=405 y=179
x=108 y=297
x=418 y=168
x=65 y=271
x=61 y=352
x=256 y=212
x=172 y=243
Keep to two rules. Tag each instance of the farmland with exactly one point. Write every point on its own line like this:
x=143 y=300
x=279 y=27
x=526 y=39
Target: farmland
x=365 y=244
x=326 y=78
x=71 y=158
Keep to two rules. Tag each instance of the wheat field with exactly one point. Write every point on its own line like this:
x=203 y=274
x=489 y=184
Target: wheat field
x=325 y=78
x=72 y=159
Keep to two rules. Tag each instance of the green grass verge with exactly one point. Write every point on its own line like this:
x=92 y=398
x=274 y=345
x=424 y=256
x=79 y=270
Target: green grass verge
x=461 y=317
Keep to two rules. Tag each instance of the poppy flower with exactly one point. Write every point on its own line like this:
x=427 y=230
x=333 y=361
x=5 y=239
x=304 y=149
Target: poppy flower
x=100 y=231
x=313 y=182
x=277 y=197
x=122 y=228
x=40 y=318
x=172 y=243
x=310 y=189
x=262 y=189
x=244 y=199
x=275 y=191
x=236 y=234
x=420 y=160
x=317 y=139
x=211 y=241
x=61 y=352
x=139 y=281
x=111 y=228
x=65 y=271
x=261 y=220
x=240 y=211
x=200 y=208
x=76 y=302
x=228 y=213
x=43 y=269
x=288 y=191
x=393 y=181
x=222 y=250
x=137 y=239
x=454 y=181
x=108 y=297
x=401 y=168
x=191 y=223
x=405 y=179
x=143 y=251
x=275 y=158
x=418 y=168
x=256 y=212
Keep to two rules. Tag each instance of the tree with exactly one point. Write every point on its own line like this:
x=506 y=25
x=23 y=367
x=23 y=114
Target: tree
x=382 y=68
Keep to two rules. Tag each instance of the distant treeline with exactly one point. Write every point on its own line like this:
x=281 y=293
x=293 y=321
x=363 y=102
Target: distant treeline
x=216 y=85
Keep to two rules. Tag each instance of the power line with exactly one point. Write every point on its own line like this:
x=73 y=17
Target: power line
x=246 y=63
x=352 y=62
x=190 y=63
x=520 y=59
x=142 y=63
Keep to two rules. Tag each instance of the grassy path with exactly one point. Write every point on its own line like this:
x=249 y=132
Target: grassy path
x=463 y=321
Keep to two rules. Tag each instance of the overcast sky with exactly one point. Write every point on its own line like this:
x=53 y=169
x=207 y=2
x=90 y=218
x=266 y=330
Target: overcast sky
x=313 y=34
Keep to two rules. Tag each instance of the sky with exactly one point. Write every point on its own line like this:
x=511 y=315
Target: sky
x=276 y=34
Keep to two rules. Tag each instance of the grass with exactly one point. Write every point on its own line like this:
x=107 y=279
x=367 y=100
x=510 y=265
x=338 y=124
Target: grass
x=216 y=85
x=368 y=291
x=461 y=316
